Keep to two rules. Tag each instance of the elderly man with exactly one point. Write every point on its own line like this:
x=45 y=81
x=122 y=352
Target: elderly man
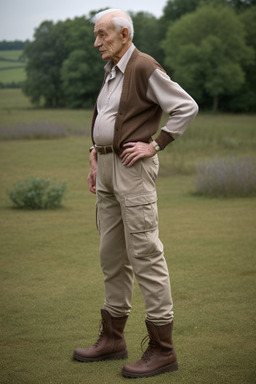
x=123 y=170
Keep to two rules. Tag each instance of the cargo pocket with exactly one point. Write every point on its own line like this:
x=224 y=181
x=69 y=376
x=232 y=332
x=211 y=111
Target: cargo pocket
x=141 y=216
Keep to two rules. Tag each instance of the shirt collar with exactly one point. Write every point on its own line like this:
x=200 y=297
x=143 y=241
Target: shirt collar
x=122 y=62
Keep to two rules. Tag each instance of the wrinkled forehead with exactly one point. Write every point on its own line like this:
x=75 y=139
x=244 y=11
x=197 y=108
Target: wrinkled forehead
x=104 y=23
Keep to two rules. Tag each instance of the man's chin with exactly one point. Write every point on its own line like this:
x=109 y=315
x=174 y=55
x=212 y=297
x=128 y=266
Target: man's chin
x=105 y=57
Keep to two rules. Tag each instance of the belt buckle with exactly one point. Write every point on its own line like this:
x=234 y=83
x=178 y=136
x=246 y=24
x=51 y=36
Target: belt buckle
x=103 y=149
x=98 y=148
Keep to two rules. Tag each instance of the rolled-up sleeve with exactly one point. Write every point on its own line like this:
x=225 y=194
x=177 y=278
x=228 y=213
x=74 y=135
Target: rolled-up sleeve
x=177 y=103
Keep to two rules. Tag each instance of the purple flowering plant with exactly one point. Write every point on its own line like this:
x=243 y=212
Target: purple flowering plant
x=226 y=177
x=42 y=130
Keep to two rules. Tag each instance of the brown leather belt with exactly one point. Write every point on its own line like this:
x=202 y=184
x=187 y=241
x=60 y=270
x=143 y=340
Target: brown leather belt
x=103 y=150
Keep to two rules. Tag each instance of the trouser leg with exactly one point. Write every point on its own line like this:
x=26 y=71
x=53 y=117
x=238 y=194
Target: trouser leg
x=118 y=273
x=138 y=198
x=146 y=255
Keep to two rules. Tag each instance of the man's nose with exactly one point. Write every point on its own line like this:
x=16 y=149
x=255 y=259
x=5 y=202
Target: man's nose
x=97 y=42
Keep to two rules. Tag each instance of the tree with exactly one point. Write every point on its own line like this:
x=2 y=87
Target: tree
x=82 y=70
x=79 y=80
x=44 y=58
x=63 y=68
x=175 y=9
x=241 y=4
x=206 y=50
x=12 y=45
x=145 y=24
x=245 y=98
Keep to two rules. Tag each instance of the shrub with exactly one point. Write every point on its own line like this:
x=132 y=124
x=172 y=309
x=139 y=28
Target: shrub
x=227 y=177
x=37 y=193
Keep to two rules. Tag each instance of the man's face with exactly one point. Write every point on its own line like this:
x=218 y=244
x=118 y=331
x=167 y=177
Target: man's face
x=107 y=40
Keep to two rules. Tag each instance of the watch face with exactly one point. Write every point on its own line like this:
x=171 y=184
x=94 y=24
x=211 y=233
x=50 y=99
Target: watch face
x=156 y=146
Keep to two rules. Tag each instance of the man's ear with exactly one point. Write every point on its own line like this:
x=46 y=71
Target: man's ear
x=125 y=34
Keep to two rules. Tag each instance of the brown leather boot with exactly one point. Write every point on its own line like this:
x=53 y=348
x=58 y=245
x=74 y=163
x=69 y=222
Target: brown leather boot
x=110 y=345
x=159 y=357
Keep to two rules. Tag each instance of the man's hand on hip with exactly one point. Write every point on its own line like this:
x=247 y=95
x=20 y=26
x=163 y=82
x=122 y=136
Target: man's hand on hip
x=135 y=151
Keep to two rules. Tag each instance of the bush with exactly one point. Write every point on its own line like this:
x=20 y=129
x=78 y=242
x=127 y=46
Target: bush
x=37 y=193
x=227 y=177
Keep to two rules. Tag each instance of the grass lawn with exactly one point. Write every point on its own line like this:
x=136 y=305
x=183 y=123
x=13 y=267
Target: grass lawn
x=11 y=54
x=4 y=64
x=52 y=286
x=16 y=75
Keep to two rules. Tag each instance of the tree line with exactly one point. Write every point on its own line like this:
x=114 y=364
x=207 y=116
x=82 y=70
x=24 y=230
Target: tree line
x=207 y=46
x=12 y=45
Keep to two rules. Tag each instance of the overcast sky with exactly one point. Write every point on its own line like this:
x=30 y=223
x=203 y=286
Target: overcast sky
x=19 y=18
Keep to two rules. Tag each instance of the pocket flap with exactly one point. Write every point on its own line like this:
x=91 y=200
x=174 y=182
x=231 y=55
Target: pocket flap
x=147 y=198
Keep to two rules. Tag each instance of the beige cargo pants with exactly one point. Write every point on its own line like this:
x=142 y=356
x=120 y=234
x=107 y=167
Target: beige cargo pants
x=127 y=219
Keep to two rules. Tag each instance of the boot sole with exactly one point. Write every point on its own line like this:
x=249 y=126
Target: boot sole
x=112 y=356
x=167 y=368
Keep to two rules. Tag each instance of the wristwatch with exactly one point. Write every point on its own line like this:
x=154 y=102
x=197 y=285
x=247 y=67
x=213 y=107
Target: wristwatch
x=156 y=146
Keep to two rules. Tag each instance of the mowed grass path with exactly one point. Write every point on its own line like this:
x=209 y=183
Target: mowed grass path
x=52 y=286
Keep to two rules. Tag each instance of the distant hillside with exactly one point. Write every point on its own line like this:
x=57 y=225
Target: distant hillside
x=12 y=69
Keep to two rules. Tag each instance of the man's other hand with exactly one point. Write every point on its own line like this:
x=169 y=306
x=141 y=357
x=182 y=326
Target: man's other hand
x=91 y=179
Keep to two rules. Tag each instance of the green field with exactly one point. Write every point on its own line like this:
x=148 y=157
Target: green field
x=51 y=283
x=4 y=64
x=12 y=68
x=11 y=55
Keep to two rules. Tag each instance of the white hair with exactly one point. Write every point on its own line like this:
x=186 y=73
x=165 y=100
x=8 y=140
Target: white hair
x=118 y=21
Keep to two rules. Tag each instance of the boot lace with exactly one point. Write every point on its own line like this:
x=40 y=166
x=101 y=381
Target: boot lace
x=150 y=349
x=101 y=332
